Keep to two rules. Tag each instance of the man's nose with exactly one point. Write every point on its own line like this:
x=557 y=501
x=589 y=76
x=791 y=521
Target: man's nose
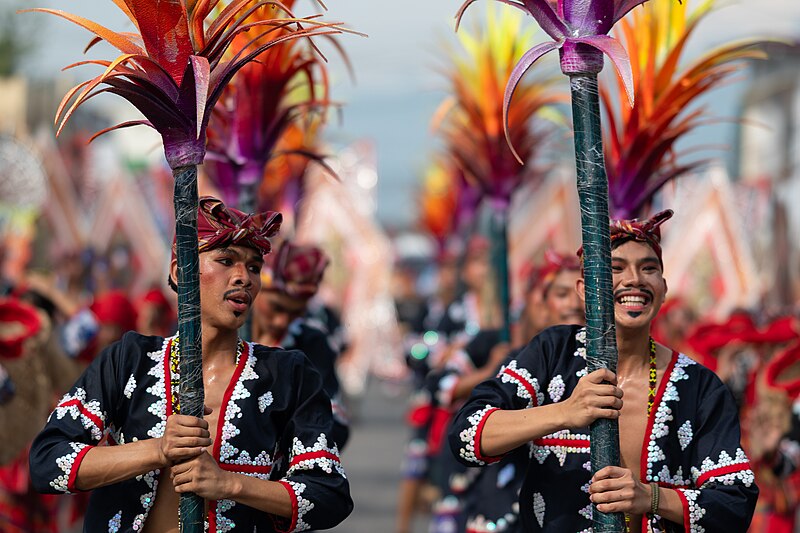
x=632 y=277
x=241 y=276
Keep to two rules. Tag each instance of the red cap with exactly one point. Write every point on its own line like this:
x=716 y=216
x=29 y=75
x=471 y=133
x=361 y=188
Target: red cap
x=18 y=323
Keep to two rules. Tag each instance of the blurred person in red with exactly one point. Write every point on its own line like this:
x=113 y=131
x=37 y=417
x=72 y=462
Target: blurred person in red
x=156 y=314
x=24 y=356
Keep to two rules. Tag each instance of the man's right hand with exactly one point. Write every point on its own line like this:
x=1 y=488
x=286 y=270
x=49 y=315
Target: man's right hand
x=592 y=399
x=184 y=437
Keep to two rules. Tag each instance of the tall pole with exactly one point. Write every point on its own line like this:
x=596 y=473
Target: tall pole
x=499 y=241
x=192 y=396
x=601 y=340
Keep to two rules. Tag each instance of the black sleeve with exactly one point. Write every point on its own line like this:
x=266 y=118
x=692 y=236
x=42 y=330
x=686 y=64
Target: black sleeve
x=79 y=421
x=315 y=478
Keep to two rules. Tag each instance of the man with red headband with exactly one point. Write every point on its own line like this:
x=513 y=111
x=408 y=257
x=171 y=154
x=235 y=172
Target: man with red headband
x=280 y=318
x=263 y=457
x=683 y=468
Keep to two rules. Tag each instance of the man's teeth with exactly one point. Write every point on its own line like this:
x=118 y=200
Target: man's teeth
x=633 y=300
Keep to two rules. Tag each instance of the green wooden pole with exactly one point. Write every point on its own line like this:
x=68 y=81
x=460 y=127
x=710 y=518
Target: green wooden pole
x=247 y=203
x=499 y=237
x=601 y=341
x=192 y=507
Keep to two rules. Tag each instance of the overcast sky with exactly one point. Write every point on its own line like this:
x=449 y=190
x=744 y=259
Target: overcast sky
x=397 y=87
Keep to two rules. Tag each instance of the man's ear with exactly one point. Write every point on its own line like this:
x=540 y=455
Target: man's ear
x=173 y=271
x=580 y=288
x=666 y=288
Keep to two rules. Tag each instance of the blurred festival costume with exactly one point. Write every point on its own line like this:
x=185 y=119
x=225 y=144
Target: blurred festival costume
x=273 y=465
x=492 y=501
x=281 y=318
x=683 y=467
x=22 y=335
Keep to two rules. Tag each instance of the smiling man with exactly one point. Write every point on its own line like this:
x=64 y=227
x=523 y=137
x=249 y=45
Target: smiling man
x=683 y=468
x=263 y=457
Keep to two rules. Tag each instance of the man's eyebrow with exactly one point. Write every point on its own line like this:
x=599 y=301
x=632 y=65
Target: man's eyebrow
x=649 y=259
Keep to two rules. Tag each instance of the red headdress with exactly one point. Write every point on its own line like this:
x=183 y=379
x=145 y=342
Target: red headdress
x=22 y=323
x=296 y=270
x=115 y=308
x=554 y=263
x=647 y=231
x=219 y=225
x=783 y=371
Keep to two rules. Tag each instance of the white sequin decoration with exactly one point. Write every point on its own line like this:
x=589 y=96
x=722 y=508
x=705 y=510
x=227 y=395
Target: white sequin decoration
x=264 y=401
x=556 y=388
x=468 y=435
x=527 y=385
x=685 y=434
x=130 y=386
x=539 y=508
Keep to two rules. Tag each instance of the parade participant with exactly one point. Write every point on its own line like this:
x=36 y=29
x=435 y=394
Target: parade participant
x=550 y=298
x=24 y=351
x=288 y=284
x=421 y=341
x=491 y=504
x=262 y=458
x=452 y=366
x=682 y=468
x=156 y=315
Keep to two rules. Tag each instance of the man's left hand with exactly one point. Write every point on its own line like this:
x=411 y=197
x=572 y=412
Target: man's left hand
x=203 y=476
x=616 y=490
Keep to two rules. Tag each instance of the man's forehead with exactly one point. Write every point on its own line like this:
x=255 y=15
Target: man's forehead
x=245 y=252
x=634 y=251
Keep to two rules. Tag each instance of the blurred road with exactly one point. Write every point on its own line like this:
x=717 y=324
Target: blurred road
x=373 y=458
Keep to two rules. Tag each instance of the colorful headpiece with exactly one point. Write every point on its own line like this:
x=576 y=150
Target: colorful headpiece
x=647 y=231
x=554 y=263
x=218 y=225
x=296 y=270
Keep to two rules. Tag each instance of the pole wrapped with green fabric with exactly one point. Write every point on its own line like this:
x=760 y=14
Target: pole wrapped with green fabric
x=601 y=340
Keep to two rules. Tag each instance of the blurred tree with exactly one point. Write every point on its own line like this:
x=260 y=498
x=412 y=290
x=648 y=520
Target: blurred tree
x=16 y=38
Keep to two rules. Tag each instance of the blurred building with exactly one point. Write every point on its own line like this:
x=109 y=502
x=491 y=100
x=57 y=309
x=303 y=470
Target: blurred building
x=769 y=167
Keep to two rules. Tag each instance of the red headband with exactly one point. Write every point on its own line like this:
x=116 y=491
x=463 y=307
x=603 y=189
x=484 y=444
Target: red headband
x=554 y=263
x=647 y=231
x=219 y=226
x=297 y=270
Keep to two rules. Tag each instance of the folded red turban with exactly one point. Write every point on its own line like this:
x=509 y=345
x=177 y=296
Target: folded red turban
x=647 y=231
x=296 y=270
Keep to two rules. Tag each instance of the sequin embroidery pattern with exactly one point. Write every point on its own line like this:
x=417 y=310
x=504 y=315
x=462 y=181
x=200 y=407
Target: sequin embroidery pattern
x=539 y=508
x=527 y=385
x=320 y=455
x=471 y=436
x=130 y=386
x=89 y=412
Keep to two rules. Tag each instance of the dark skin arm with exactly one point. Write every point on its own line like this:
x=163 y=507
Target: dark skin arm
x=616 y=490
x=203 y=476
x=185 y=437
x=506 y=430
